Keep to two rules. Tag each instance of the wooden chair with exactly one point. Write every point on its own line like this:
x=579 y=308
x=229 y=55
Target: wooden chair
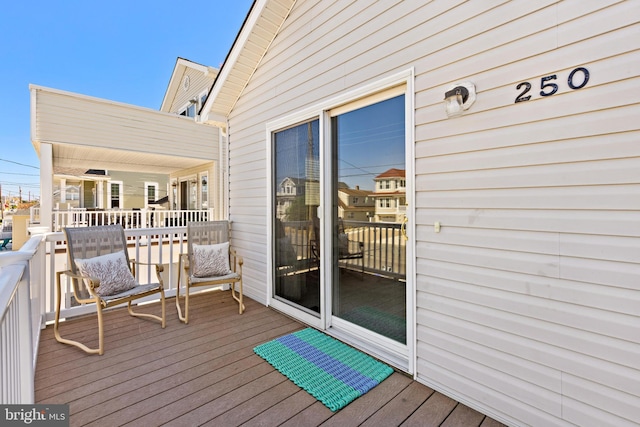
x=209 y=261
x=102 y=273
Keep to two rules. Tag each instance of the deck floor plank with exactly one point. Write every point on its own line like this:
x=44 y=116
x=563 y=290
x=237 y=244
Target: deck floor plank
x=365 y=406
x=206 y=373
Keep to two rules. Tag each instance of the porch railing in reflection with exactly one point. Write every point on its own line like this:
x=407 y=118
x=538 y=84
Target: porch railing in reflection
x=129 y=219
x=383 y=245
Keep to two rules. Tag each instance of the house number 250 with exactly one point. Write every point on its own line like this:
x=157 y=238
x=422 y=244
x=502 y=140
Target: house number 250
x=578 y=79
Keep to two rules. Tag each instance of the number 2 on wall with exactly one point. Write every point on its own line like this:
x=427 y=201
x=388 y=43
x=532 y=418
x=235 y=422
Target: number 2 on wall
x=548 y=87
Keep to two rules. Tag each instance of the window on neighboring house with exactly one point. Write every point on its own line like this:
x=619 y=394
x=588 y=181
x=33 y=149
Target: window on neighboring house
x=151 y=193
x=403 y=183
x=203 y=98
x=385 y=203
x=355 y=200
x=190 y=111
x=115 y=195
x=384 y=184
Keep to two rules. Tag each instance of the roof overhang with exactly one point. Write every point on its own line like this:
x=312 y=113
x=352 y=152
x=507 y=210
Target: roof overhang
x=176 y=79
x=93 y=133
x=256 y=35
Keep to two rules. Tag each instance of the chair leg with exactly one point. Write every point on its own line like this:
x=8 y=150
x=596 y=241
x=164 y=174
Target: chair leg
x=56 y=324
x=184 y=318
x=238 y=297
x=162 y=319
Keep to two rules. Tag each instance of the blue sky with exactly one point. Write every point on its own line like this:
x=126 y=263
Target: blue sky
x=119 y=50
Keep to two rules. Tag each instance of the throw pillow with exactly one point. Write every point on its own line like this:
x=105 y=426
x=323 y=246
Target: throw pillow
x=211 y=260
x=112 y=271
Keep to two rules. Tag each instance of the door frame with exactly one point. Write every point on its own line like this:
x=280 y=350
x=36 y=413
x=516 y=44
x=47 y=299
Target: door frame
x=392 y=352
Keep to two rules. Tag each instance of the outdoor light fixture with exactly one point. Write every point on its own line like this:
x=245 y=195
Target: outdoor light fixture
x=458 y=98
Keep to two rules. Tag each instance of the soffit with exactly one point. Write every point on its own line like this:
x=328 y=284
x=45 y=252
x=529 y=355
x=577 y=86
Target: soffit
x=87 y=157
x=255 y=37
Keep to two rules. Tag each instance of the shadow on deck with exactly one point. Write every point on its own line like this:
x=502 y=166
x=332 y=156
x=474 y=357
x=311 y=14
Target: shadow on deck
x=206 y=373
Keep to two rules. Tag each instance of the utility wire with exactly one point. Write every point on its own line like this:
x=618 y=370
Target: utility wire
x=17 y=163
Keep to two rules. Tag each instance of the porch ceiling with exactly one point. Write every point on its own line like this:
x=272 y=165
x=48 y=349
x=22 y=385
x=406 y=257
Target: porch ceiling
x=93 y=133
x=87 y=157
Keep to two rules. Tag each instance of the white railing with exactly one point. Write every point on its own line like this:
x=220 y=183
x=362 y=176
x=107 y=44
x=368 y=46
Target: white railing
x=21 y=289
x=139 y=218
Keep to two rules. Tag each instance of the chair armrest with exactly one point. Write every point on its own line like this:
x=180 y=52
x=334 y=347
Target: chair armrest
x=94 y=282
x=133 y=261
x=159 y=267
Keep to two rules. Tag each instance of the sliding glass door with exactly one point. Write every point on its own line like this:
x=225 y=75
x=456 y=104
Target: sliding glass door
x=368 y=189
x=296 y=195
x=338 y=221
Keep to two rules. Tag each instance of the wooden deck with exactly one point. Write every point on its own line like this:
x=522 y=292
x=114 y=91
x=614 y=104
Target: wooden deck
x=206 y=373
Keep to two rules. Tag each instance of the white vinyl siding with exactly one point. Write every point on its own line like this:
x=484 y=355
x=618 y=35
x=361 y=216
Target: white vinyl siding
x=528 y=300
x=198 y=82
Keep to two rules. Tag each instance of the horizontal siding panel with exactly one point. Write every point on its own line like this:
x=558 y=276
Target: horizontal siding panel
x=463 y=389
x=620 y=197
x=591 y=222
x=619 y=377
x=581 y=414
x=623 y=353
x=568 y=317
x=609 y=401
x=626 y=275
x=612 y=121
x=518 y=262
x=610 y=248
x=607 y=298
x=609 y=146
x=524 y=372
x=513 y=387
x=518 y=241
x=602 y=172
x=608 y=19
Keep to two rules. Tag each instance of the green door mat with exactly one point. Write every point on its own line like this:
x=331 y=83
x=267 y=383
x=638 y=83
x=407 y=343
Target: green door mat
x=329 y=370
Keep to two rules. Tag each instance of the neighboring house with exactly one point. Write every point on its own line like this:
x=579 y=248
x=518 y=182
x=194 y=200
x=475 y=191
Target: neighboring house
x=188 y=88
x=288 y=191
x=522 y=278
x=100 y=189
x=355 y=204
x=390 y=196
x=143 y=150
